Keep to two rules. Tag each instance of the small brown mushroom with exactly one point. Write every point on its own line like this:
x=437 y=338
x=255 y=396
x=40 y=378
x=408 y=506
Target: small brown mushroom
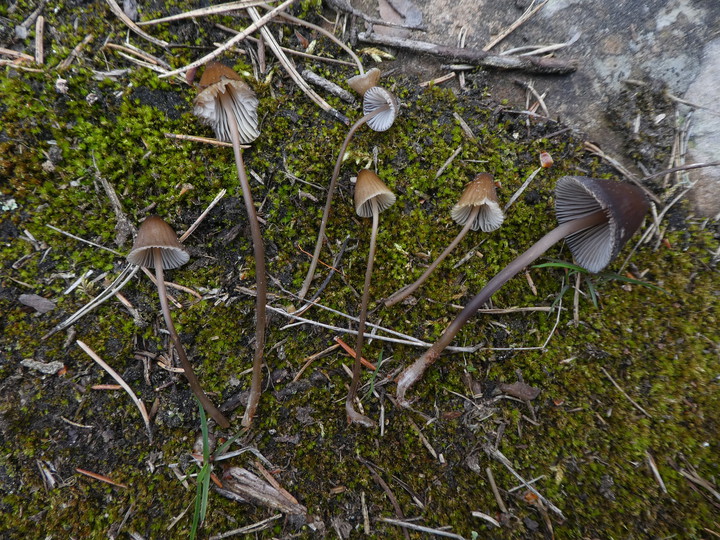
x=372 y=196
x=229 y=105
x=597 y=216
x=157 y=246
x=363 y=82
x=380 y=108
x=477 y=209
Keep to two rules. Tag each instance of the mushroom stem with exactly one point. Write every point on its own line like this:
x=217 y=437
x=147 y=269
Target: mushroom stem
x=187 y=368
x=352 y=414
x=260 y=277
x=411 y=374
x=409 y=289
x=331 y=189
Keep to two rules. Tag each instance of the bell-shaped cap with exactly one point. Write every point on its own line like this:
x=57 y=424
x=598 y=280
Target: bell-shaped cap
x=624 y=205
x=371 y=192
x=216 y=81
x=479 y=193
x=156 y=233
x=375 y=98
x=362 y=83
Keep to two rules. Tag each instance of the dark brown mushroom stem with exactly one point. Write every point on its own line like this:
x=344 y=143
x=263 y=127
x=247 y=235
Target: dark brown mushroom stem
x=403 y=293
x=414 y=372
x=328 y=202
x=352 y=414
x=184 y=362
x=260 y=276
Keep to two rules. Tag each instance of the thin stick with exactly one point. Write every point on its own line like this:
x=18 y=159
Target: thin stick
x=655 y=471
x=631 y=400
x=327 y=34
x=206 y=140
x=495 y=490
x=100 y=477
x=232 y=41
x=66 y=63
x=138 y=52
x=202 y=216
x=39 y=47
x=448 y=161
x=476 y=57
x=90 y=243
x=414 y=527
x=527 y=15
x=498 y=455
x=519 y=192
x=114 y=374
x=16 y=54
x=290 y=68
x=202 y=12
x=117 y=10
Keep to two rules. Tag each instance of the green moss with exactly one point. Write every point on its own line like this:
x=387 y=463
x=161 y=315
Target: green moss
x=587 y=438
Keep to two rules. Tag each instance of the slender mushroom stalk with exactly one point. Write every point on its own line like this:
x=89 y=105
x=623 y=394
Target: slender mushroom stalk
x=372 y=196
x=230 y=106
x=380 y=109
x=597 y=217
x=157 y=246
x=478 y=208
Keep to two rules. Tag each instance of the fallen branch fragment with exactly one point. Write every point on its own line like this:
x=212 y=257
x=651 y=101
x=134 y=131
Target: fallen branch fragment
x=474 y=56
x=624 y=393
x=100 y=477
x=414 y=527
x=240 y=481
x=117 y=10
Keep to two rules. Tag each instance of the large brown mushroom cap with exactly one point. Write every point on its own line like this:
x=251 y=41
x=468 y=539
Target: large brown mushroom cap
x=624 y=204
x=479 y=193
x=216 y=81
x=375 y=98
x=156 y=233
x=369 y=187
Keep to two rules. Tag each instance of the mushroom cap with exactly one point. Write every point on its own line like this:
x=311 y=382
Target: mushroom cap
x=369 y=187
x=480 y=192
x=375 y=98
x=217 y=79
x=154 y=232
x=624 y=205
x=362 y=83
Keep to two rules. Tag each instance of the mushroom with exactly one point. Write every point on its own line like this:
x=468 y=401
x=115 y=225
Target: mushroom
x=597 y=216
x=363 y=82
x=157 y=246
x=372 y=196
x=230 y=106
x=478 y=208
x=380 y=108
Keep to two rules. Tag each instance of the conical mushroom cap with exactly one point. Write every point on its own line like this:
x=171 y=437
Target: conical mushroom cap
x=362 y=83
x=624 y=205
x=480 y=192
x=156 y=233
x=369 y=187
x=375 y=98
x=217 y=79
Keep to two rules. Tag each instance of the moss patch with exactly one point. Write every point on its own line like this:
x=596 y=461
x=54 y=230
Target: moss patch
x=584 y=438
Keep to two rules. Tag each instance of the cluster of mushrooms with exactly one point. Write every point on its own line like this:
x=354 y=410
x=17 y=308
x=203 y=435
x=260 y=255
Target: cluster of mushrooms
x=596 y=218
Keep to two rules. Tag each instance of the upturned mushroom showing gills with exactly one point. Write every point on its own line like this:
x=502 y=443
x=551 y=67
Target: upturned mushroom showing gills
x=597 y=217
x=157 y=246
x=380 y=108
x=230 y=106
x=477 y=209
x=372 y=196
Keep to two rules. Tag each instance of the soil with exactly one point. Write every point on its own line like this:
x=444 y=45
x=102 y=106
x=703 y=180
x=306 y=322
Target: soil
x=620 y=441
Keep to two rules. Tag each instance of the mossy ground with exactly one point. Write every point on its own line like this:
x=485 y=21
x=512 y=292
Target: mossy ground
x=587 y=441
